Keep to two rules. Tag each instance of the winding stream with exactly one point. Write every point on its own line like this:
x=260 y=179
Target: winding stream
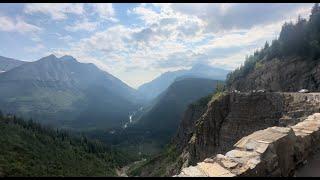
x=131 y=115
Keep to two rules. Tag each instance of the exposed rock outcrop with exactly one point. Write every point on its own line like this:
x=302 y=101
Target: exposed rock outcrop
x=213 y=129
x=275 y=151
x=286 y=75
x=185 y=130
x=235 y=115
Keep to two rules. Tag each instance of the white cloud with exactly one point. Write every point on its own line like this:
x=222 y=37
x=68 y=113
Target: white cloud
x=36 y=38
x=112 y=39
x=66 y=38
x=84 y=25
x=18 y=25
x=105 y=10
x=167 y=23
x=231 y=61
x=243 y=38
x=225 y=17
x=7 y=24
x=34 y=49
x=147 y=15
x=57 y=11
x=178 y=36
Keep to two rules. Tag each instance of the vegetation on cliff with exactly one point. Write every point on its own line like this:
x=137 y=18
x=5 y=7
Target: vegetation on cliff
x=300 y=39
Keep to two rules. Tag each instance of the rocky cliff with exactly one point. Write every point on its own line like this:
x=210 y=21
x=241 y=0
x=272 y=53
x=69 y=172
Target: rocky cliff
x=275 y=151
x=286 y=75
x=231 y=116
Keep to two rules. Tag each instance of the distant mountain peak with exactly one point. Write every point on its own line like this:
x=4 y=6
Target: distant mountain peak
x=200 y=70
x=51 y=56
x=68 y=58
x=202 y=66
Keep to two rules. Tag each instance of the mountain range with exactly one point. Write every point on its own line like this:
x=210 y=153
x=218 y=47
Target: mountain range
x=162 y=116
x=152 y=89
x=152 y=126
x=66 y=93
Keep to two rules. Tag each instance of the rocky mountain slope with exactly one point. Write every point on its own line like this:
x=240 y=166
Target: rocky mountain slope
x=287 y=75
x=289 y=63
x=66 y=93
x=154 y=88
x=8 y=63
x=166 y=111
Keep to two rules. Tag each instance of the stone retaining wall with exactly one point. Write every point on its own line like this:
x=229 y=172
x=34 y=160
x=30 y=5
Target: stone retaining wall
x=275 y=151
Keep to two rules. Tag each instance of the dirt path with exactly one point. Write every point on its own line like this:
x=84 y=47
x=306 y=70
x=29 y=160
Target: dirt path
x=122 y=172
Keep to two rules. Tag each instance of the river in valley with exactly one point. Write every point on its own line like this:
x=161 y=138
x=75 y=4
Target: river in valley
x=131 y=116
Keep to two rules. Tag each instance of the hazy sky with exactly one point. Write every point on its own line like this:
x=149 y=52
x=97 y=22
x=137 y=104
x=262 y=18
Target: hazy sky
x=137 y=42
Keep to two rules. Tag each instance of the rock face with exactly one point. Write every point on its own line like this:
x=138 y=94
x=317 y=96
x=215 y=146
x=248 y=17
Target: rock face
x=232 y=116
x=187 y=124
x=286 y=75
x=275 y=151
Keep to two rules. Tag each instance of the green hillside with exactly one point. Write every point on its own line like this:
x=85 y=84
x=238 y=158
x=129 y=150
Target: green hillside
x=165 y=114
x=28 y=149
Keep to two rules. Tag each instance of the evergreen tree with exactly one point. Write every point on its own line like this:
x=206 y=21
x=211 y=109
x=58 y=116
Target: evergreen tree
x=30 y=149
x=266 y=45
x=315 y=9
x=300 y=39
x=220 y=87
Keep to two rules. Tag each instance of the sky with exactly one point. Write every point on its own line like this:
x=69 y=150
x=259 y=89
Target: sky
x=138 y=42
